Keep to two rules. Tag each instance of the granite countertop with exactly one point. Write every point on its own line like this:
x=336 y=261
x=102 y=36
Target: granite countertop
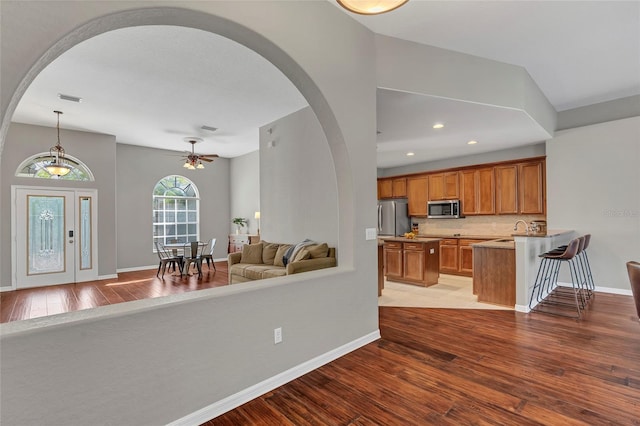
x=549 y=233
x=409 y=240
x=497 y=244
x=465 y=236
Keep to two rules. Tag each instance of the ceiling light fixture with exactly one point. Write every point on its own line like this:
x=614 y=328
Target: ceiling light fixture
x=438 y=126
x=371 y=7
x=472 y=142
x=57 y=166
x=194 y=161
x=410 y=154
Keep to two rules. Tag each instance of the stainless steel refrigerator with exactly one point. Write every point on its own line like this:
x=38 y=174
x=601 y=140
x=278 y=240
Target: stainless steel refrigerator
x=393 y=218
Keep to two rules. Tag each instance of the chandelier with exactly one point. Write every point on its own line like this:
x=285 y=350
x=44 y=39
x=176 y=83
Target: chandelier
x=371 y=7
x=57 y=165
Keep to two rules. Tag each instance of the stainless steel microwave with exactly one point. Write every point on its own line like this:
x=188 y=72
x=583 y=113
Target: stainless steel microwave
x=444 y=209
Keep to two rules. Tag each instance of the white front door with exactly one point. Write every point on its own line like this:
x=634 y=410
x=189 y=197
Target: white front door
x=54 y=236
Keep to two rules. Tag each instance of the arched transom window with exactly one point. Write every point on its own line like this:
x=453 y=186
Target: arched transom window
x=176 y=213
x=34 y=167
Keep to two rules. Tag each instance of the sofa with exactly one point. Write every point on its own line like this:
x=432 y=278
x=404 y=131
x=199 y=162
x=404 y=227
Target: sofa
x=270 y=260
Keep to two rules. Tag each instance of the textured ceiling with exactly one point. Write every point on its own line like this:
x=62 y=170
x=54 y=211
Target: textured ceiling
x=155 y=85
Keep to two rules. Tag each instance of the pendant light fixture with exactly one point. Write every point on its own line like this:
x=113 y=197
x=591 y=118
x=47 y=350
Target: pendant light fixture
x=371 y=7
x=57 y=165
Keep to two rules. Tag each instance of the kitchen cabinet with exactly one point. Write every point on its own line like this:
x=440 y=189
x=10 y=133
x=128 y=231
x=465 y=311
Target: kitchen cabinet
x=392 y=188
x=465 y=256
x=494 y=275
x=417 y=191
x=531 y=187
x=393 y=260
x=449 y=256
x=478 y=191
x=412 y=262
x=520 y=188
x=444 y=186
x=507 y=189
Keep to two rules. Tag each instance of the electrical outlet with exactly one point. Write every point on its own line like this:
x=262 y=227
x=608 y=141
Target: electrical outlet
x=277 y=335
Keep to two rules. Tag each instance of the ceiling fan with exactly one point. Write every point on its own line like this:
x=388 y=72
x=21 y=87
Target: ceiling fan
x=194 y=161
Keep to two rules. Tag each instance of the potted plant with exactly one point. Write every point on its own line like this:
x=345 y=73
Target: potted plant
x=240 y=222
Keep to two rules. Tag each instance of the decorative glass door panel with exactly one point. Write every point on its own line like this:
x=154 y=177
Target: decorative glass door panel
x=53 y=236
x=45 y=234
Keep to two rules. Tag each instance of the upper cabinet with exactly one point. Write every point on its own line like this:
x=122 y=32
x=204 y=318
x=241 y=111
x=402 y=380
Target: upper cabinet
x=417 y=191
x=392 y=188
x=520 y=188
x=531 y=187
x=477 y=191
x=510 y=187
x=443 y=186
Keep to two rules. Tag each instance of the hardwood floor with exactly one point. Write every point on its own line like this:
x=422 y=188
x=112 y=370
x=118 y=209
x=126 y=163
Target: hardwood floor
x=38 y=302
x=454 y=367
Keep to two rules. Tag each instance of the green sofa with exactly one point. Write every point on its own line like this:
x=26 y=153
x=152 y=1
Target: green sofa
x=269 y=260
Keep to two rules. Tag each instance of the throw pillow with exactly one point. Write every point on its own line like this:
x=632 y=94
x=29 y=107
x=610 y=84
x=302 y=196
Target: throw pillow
x=278 y=260
x=318 y=250
x=251 y=253
x=302 y=255
x=269 y=251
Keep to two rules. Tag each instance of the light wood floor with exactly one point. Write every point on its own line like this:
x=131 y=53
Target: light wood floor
x=42 y=301
x=480 y=367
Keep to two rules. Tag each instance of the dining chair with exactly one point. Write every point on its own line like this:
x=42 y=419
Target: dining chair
x=193 y=255
x=166 y=258
x=208 y=256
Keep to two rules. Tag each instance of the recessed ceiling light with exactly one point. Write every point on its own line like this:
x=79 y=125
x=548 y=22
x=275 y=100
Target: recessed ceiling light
x=410 y=154
x=472 y=142
x=438 y=126
x=69 y=98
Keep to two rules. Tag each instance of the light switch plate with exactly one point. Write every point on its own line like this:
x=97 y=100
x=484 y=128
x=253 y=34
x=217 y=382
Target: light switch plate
x=371 y=233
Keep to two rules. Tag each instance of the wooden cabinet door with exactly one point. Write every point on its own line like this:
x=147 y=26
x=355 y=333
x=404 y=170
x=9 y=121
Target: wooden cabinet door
x=417 y=190
x=485 y=191
x=414 y=262
x=393 y=260
x=531 y=188
x=450 y=189
x=507 y=189
x=385 y=188
x=449 y=256
x=399 y=187
x=468 y=192
x=436 y=187
x=465 y=252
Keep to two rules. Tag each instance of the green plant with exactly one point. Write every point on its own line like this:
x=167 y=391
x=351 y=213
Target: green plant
x=240 y=221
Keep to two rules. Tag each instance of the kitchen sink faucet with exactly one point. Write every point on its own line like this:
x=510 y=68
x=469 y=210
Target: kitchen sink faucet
x=526 y=227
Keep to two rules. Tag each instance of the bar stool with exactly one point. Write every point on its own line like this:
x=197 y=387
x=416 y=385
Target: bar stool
x=545 y=290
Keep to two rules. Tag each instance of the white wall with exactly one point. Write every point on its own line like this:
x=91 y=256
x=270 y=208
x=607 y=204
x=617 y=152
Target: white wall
x=245 y=190
x=138 y=170
x=298 y=181
x=159 y=360
x=593 y=182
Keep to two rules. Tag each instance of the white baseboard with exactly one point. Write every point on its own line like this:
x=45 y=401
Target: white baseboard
x=600 y=289
x=108 y=277
x=7 y=288
x=229 y=403
x=522 y=308
x=136 y=268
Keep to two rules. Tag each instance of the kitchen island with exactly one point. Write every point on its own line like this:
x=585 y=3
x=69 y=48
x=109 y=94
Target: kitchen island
x=412 y=260
x=494 y=272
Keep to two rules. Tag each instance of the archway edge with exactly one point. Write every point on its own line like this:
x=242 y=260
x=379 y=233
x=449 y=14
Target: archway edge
x=211 y=21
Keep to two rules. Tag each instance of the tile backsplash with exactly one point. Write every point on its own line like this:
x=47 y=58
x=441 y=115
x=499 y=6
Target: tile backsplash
x=498 y=225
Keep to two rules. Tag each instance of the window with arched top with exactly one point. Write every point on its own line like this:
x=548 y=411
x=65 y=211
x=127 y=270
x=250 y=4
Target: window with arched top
x=176 y=210
x=34 y=167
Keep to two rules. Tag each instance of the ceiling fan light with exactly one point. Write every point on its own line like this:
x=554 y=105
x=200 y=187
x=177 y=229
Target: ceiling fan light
x=191 y=167
x=186 y=164
x=371 y=7
x=200 y=165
